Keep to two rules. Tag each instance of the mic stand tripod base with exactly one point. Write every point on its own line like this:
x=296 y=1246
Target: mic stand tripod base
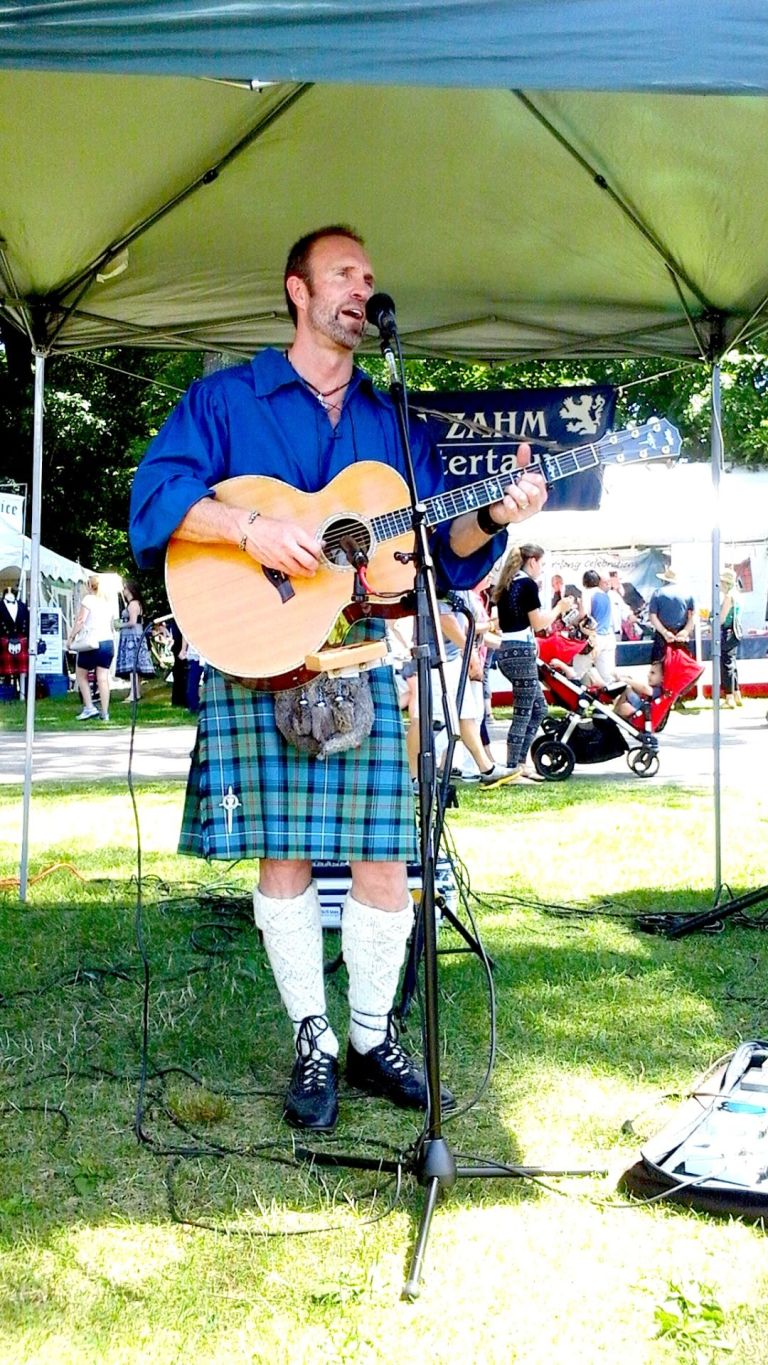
x=439 y=1171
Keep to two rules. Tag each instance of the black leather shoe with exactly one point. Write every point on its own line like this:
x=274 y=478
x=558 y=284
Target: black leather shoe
x=387 y=1070
x=312 y=1097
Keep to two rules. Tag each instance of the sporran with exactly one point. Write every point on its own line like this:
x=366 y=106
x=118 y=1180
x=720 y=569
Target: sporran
x=327 y=715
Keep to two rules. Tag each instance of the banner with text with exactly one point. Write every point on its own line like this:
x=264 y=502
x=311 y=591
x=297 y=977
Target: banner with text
x=11 y=512
x=549 y=419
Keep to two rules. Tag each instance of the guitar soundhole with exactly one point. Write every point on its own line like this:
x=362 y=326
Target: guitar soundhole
x=344 y=538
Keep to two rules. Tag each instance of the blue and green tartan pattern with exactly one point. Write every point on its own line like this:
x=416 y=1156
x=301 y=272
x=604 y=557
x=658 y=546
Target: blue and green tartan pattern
x=251 y=795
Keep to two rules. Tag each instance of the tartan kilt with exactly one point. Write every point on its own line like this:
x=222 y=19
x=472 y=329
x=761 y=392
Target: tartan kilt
x=252 y=795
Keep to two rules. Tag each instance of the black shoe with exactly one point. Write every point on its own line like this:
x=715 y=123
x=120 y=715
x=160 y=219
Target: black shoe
x=312 y=1097
x=387 y=1070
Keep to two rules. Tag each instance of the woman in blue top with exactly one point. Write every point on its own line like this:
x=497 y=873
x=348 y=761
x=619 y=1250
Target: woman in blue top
x=597 y=604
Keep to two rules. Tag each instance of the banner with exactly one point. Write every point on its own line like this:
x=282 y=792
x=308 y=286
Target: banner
x=12 y=512
x=562 y=417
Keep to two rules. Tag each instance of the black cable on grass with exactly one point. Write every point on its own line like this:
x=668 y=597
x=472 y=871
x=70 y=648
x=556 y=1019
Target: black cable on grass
x=234 y=1231
x=94 y=975
x=50 y=1112
x=198 y=1150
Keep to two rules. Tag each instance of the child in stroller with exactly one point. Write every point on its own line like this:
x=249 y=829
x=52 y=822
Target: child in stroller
x=603 y=722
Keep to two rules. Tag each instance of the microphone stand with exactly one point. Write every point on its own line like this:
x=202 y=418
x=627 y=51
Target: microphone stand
x=432 y=1160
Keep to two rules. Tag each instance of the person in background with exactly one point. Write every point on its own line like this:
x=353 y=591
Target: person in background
x=636 y=694
x=520 y=614
x=671 y=613
x=597 y=604
x=134 y=660
x=582 y=666
x=455 y=629
x=730 y=635
x=622 y=615
x=94 y=619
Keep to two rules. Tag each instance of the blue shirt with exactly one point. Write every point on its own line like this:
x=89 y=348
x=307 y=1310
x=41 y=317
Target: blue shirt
x=260 y=418
x=601 y=613
x=671 y=607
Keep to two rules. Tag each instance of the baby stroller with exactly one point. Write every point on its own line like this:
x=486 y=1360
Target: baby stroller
x=592 y=732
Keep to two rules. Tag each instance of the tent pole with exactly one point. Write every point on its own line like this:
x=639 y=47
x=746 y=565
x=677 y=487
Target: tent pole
x=716 y=436
x=34 y=610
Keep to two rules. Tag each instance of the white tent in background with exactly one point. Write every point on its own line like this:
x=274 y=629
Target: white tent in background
x=59 y=576
x=671 y=507
x=659 y=504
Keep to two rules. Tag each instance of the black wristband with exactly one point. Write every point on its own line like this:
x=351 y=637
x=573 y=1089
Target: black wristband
x=487 y=525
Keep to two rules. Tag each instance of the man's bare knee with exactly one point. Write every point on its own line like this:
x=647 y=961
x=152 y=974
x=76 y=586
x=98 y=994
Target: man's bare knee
x=383 y=885
x=284 y=878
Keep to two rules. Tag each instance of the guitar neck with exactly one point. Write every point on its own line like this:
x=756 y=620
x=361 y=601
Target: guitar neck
x=469 y=498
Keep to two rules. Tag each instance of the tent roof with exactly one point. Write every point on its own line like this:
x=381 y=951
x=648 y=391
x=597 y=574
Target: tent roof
x=710 y=45
x=521 y=192
x=52 y=565
x=157 y=211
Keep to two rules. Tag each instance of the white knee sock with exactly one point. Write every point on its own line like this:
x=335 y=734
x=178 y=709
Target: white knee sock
x=293 y=937
x=373 y=943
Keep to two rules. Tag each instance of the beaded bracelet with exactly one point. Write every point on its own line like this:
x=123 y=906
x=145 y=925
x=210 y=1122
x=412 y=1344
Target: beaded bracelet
x=485 y=521
x=251 y=519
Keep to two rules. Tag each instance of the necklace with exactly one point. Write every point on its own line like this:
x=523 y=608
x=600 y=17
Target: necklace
x=321 y=395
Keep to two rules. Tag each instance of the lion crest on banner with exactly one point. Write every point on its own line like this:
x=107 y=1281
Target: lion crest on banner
x=583 y=414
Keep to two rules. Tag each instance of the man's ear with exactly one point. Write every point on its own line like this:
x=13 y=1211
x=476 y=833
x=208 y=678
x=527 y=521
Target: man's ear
x=297 y=291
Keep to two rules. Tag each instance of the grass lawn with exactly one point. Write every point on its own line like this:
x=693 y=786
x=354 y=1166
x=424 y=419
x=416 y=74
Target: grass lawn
x=59 y=713
x=599 y=1027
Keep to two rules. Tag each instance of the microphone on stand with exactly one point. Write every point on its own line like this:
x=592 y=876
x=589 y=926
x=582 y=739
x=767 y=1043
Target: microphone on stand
x=380 y=312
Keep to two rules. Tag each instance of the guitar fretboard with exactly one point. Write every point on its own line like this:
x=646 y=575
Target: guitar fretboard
x=446 y=506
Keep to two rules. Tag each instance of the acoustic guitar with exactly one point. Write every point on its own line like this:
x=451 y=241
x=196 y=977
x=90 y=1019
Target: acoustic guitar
x=261 y=626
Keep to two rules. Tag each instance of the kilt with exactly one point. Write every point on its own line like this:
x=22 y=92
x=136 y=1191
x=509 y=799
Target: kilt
x=252 y=795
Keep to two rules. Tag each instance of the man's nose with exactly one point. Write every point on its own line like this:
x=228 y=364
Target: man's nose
x=363 y=289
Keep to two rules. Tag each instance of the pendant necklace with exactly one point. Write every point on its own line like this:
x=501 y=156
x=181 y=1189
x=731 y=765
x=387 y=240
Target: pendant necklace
x=319 y=394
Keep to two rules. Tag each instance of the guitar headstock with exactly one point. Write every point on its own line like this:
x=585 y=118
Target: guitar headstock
x=655 y=439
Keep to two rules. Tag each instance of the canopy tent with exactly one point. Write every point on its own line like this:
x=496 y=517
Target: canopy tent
x=57 y=572
x=538 y=177
x=671 y=507
x=156 y=211
x=563 y=44
x=660 y=504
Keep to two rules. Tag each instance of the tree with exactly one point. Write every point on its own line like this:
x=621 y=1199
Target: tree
x=102 y=409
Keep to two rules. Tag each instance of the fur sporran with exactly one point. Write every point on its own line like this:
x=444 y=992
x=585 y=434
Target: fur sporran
x=327 y=715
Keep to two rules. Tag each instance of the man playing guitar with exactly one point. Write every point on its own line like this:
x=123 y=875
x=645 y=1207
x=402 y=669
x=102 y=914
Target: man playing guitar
x=303 y=417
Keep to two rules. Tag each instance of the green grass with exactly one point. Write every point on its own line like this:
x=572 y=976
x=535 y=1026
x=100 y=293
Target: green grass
x=597 y=1024
x=59 y=713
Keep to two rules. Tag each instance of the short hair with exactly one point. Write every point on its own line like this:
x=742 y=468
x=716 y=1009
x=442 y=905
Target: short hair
x=591 y=579
x=301 y=251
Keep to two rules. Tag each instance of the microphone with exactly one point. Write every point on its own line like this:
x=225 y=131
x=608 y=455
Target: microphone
x=380 y=311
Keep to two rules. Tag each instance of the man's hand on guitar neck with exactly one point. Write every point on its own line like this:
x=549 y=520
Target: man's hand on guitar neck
x=277 y=544
x=521 y=500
